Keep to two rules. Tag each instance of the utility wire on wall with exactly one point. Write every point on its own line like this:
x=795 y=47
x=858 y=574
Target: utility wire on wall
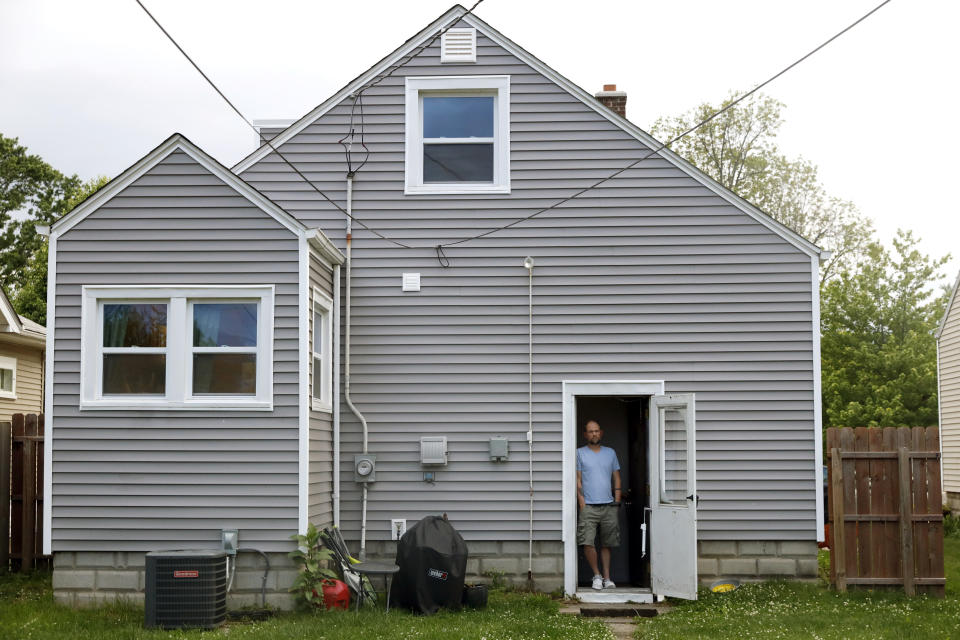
x=438 y=248
x=672 y=140
x=357 y=96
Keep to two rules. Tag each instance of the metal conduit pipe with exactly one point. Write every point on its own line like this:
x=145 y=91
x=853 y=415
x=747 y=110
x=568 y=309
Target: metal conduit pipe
x=336 y=395
x=346 y=365
x=528 y=265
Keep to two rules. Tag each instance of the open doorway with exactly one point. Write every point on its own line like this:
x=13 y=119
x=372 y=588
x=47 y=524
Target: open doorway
x=624 y=421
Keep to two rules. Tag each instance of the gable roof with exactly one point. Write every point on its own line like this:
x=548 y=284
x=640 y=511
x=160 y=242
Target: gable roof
x=946 y=312
x=176 y=142
x=17 y=324
x=458 y=11
x=8 y=314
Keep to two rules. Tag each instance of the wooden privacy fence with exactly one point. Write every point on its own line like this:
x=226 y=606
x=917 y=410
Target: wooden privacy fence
x=21 y=491
x=885 y=508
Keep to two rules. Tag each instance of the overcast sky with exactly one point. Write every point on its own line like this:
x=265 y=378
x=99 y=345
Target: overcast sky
x=91 y=86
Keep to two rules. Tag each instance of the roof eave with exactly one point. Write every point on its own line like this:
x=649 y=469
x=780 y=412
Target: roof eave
x=946 y=311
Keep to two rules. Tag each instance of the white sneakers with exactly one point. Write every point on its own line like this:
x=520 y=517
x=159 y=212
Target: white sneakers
x=599 y=583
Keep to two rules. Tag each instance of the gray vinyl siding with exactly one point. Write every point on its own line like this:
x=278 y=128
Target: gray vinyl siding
x=146 y=480
x=949 y=345
x=320 y=500
x=269 y=133
x=651 y=276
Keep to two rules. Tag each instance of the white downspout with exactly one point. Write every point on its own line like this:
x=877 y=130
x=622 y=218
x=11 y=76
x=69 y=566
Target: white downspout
x=346 y=369
x=528 y=264
x=336 y=395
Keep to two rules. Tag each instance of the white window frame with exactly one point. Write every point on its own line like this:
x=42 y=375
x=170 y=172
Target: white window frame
x=7 y=362
x=416 y=89
x=323 y=304
x=179 y=350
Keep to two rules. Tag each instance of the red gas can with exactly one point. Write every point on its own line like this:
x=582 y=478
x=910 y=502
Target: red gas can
x=336 y=594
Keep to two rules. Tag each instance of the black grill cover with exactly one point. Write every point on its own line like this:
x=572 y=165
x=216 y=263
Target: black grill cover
x=432 y=558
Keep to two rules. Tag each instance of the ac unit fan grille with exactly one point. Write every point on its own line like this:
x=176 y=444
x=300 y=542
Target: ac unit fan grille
x=186 y=591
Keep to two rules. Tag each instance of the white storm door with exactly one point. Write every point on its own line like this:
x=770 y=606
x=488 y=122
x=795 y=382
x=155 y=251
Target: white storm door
x=673 y=490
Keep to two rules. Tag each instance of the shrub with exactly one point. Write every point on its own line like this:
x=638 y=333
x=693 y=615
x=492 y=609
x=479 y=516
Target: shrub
x=314 y=571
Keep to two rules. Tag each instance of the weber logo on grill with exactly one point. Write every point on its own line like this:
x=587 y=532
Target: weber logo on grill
x=436 y=573
x=186 y=573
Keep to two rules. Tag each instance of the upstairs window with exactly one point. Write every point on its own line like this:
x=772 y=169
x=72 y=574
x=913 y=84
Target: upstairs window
x=458 y=135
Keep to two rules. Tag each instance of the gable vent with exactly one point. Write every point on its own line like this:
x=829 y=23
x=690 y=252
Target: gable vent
x=458 y=45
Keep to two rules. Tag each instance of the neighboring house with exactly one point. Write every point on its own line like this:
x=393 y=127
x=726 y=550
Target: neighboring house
x=22 y=344
x=948 y=390
x=191 y=393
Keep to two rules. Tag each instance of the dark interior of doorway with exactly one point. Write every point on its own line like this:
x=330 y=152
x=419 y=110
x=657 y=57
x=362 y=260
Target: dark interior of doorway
x=624 y=423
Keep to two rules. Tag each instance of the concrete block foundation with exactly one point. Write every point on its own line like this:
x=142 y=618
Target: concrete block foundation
x=756 y=560
x=92 y=578
x=83 y=578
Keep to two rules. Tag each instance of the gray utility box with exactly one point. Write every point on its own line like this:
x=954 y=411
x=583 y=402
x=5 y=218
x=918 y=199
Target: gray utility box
x=433 y=450
x=499 y=448
x=185 y=589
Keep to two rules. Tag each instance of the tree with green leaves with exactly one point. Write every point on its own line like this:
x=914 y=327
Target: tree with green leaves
x=31 y=193
x=878 y=349
x=30 y=299
x=738 y=150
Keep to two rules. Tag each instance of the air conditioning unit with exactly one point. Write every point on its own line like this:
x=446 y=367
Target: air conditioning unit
x=186 y=589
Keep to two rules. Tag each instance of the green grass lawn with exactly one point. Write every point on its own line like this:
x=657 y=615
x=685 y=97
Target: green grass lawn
x=770 y=610
x=27 y=612
x=791 y=610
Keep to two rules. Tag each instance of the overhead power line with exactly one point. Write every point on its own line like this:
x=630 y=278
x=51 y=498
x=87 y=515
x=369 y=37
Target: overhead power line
x=675 y=138
x=257 y=131
x=388 y=72
x=357 y=95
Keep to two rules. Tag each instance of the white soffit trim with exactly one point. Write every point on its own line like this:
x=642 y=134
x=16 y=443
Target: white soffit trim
x=176 y=142
x=472 y=20
x=327 y=250
x=303 y=456
x=946 y=312
x=817 y=397
x=48 y=398
x=9 y=315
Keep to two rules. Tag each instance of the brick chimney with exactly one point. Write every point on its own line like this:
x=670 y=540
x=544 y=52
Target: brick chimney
x=612 y=99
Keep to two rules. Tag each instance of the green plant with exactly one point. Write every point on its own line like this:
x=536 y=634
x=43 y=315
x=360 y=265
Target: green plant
x=951 y=525
x=497 y=581
x=314 y=572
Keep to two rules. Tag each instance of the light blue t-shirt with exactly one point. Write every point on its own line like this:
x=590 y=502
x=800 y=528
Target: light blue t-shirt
x=596 y=470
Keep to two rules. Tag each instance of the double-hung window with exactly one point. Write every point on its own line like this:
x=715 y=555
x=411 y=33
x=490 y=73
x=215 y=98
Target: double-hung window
x=8 y=378
x=458 y=135
x=322 y=352
x=177 y=348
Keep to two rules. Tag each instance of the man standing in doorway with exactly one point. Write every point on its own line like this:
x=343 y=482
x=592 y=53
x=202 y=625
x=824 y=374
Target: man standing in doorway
x=599 y=507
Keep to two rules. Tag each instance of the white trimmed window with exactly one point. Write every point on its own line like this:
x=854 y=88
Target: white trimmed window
x=458 y=135
x=177 y=348
x=8 y=378
x=322 y=352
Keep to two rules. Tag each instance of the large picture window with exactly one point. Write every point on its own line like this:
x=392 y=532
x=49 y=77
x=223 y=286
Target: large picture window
x=458 y=134
x=191 y=347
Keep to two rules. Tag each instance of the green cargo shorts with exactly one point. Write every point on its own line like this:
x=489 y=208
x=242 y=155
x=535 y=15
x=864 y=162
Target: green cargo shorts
x=604 y=516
